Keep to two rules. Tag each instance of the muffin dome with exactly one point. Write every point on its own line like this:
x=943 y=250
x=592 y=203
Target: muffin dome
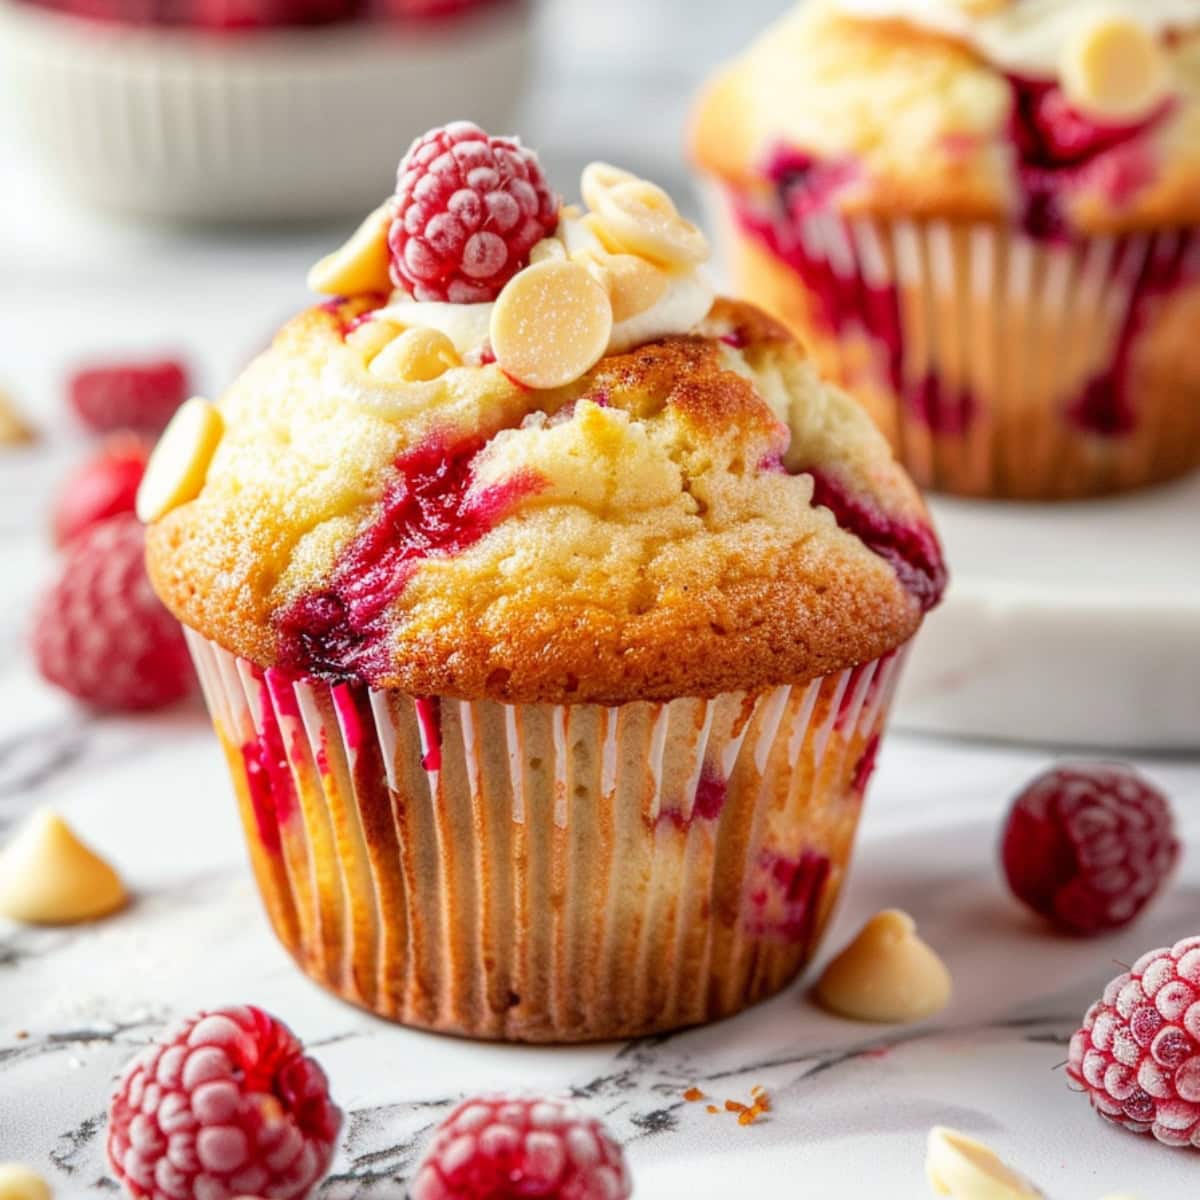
x=649 y=531
x=679 y=507
x=974 y=111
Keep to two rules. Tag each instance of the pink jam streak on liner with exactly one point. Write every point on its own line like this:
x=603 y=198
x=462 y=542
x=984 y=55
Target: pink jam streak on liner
x=429 y=720
x=791 y=888
x=429 y=510
x=347 y=712
x=712 y=790
x=268 y=773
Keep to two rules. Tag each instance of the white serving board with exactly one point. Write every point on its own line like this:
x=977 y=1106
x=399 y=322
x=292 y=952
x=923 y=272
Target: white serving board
x=1073 y=623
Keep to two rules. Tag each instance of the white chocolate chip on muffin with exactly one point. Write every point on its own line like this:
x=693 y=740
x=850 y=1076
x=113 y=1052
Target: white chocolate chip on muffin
x=417 y=355
x=887 y=973
x=49 y=877
x=177 y=467
x=1113 y=68
x=640 y=218
x=551 y=324
x=960 y=1167
x=359 y=266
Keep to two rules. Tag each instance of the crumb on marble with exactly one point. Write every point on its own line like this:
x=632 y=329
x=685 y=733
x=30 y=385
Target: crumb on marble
x=694 y=1093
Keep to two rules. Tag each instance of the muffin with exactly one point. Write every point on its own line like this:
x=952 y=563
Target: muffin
x=981 y=217
x=217 y=110
x=548 y=611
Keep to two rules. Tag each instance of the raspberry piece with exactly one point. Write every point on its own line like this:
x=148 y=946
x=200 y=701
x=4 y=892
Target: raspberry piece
x=101 y=633
x=1087 y=847
x=468 y=209
x=224 y=1104
x=502 y=1147
x=1138 y=1053
x=129 y=395
x=103 y=486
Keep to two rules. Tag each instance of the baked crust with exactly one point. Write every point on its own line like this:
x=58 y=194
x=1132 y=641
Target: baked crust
x=924 y=120
x=669 y=547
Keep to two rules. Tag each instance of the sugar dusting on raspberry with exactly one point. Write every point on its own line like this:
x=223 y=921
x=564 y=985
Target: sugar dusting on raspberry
x=1137 y=1055
x=1088 y=846
x=225 y=1104
x=502 y=1147
x=101 y=633
x=468 y=210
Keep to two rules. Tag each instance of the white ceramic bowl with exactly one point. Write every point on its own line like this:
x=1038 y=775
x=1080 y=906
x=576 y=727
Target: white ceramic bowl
x=280 y=124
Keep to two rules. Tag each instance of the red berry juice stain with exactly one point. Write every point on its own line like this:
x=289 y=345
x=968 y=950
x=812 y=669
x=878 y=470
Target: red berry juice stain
x=786 y=903
x=865 y=767
x=911 y=547
x=712 y=789
x=268 y=774
x=429 y=720
x=429 y=510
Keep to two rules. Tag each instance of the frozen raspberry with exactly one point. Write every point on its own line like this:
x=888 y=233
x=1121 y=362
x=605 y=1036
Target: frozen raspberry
x=103 y=486
x=1088 y=846
x=225 y=1104
x=129 y=395
x=101 y=633
x=502 y=1147
x=468 y=209
x=1138 y=1053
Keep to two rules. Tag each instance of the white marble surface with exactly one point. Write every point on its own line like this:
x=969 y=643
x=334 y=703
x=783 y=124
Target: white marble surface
x=852 y=1103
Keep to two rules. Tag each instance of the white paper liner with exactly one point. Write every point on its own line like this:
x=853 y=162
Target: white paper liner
x=1015 y=324
x=292 y=123
x=544 y=873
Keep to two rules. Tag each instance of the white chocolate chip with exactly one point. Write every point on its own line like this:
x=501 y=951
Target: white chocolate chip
x=49 y=877
x=550 y=324
x=598 y=178
x=633 y=284
x=14 y=429
x=21 y=1183
x=416 y=356
x=640 y=218
x=960 y=1167
x=887 y=973
x=547 y=248
x=1113 y=68
x=361 y=265
x=177 y=467
x=372 y=336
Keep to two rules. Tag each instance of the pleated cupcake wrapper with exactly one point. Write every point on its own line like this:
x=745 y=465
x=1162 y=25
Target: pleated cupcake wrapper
x=185 y=123
x=997 y=337
x=547 y=873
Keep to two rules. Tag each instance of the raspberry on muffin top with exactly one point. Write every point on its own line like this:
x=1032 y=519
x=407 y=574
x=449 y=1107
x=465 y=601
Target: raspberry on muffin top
x=574 y=479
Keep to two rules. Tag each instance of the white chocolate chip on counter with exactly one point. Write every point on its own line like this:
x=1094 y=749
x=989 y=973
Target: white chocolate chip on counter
x=960 y=1167
x=14 y=429
x=21 y=1183
x=887 y=973
x=49 y=877
x=417 y=356
x=179 y=463
x=1113 y=68
x=361 y=265
x=640 y=218
x=550 y=324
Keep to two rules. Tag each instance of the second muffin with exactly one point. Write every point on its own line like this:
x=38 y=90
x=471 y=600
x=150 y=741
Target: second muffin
x=981 y=216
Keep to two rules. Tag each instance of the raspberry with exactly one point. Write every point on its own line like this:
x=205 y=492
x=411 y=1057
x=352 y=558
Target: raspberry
x=101 y=633
x=222 y=1105
x=103 y=486
x=502 y=1147
x=468 y=209
x=1138 y=1053
x=1087 y=847
x=129 y=395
